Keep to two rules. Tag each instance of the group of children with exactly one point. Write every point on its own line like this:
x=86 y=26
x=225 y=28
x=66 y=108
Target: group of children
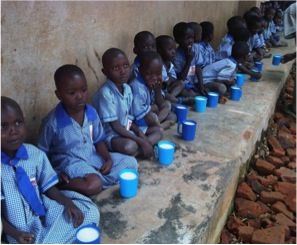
x=82 y=148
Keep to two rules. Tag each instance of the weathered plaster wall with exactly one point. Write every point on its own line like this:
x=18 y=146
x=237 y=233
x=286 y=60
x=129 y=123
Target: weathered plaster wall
x=38 y=37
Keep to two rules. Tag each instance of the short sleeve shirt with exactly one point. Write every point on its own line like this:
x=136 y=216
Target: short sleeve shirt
x=225 y=48
x=254 y=42
x=208 y=53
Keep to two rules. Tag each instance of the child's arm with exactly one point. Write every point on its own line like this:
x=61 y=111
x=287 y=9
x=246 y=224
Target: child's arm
x=73 y=212
x=19 y=236
x=102 y=150
x=200 y=85
x=243 y=69
x=184 y=73
x=158 y=94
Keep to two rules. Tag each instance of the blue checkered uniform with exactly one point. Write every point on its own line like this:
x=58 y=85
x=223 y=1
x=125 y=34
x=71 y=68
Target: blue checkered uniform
x=255 y=42
x=180 y=62
x=225 y=48
x=112 y=105
x=262 y=39
x=207 y=52
x=71 y=147
x=267 y=34
x=56 y=227
x=224 y=69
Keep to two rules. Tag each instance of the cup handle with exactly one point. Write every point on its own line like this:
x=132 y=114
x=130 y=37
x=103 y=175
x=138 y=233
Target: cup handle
x=156 y=152
x=178 y=129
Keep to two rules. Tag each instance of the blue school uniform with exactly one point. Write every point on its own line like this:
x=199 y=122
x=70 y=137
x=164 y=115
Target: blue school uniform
x=142 y=101
x=112 y=105
x=180 y=62
x=225 y=48
x=71 y=147
x=170 y=71
x=135 y=69
x=56 y=227
x=207 y=52
x=267 y=34
x=224 y=69
x=262 y=40
x=254 y=42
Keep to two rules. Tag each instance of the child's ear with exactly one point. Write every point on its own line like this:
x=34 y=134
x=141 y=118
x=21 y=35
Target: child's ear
x=58 y=94
x=135 y=50
x=103 y=71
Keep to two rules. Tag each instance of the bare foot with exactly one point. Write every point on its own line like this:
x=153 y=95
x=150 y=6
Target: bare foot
x=167 y=124
x=223 y=100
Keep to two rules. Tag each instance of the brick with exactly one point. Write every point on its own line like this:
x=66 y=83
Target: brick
x=291 y=240
x=285 y=187
x=280 y=207
x=257 y=187
x=291 y=152
x=278 y=115
x=226 y=237
x=290 y=201
x=255 y=223
x=275 y=146
x=249 y=209
x=270 y=235
x=292 y=127
x=233 y=224
x=292 y=165
x=284 y=129
x=244 y=191
x=265 y=181
x=285 y=159
x=264 y=167
x=286 y=139
x=286 y=174
x=245 y=233
x=276 y=161
x=271 y=196
x=282 y=219
x=283 y=122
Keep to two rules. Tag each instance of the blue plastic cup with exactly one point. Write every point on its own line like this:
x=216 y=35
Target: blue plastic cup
x=188 y=130
x=213 y=99
x=128 y=183
x=200 y=103
x=259 y=66
x=164 y=152
x=240 y=79
x=276 y=59
x=181 y=112
x=88 y=234
x=253 y=78
x=236 y=93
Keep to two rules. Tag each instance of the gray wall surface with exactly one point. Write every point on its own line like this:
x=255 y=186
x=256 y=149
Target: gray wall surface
x=38 y=37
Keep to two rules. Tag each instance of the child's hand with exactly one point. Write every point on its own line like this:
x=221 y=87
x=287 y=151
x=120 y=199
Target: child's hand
x=158 y=85
x=189 y=54
x=257 y=75
x=74 y=214
x=105 y=169
x=25 y=237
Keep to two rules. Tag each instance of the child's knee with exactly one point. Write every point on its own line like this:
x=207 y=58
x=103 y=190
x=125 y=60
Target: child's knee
x=222 y=89
x=131 y=162
x=130 y=148
x=93 y=185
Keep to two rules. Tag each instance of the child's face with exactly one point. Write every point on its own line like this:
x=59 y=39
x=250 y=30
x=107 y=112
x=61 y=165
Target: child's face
x=152 y=73
x=270 y=15
x=256 y=28
x=118 y=69
x=197 y=35
x=169 y=51
x=277 y=20
x=187 y=40
x=149 y=44
x=73 y=93
x=13 y=131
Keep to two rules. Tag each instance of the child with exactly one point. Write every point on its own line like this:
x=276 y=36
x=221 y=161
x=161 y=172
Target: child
x=197 y=31
x=266 y=53
x=278 y=21
x=144 y=41
x=113 y=102
x=166 y=47
x=73 y=138
x=187 y=61
x=149 y=106
x=206 y=49
x=33 y=209
x=268 y=15
x=254 y=25
x=266 y=33
x=219 y=76
x=234 y=24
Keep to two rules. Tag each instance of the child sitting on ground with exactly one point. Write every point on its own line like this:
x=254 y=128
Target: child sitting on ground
x=197 y=31
x=33 y=209
x=113 y=102
x=149 y=107
x=73 y=138
x=187 y=62
x=262 y=38
x=234 y=24
x=166 y=47
x=274 y=38
x=219 y=76
x=207 y=51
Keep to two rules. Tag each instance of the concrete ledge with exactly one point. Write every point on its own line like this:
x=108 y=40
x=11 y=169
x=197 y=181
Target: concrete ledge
x=188 y=202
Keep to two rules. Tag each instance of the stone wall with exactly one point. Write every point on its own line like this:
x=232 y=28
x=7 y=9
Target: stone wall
x=38 y=37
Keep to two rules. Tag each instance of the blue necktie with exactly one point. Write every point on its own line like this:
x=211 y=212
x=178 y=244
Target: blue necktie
x=25 y=186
